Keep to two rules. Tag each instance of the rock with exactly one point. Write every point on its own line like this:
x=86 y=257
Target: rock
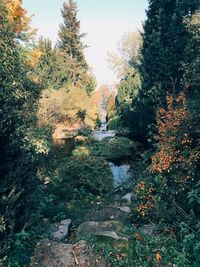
x=112 y=234
x=128 y=197
x=148 y=229
x=125 y=209
x=62 y=231
x=106 y=228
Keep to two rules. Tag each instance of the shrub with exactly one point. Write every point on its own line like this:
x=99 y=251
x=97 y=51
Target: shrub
x=116 y=149
x=79 y=176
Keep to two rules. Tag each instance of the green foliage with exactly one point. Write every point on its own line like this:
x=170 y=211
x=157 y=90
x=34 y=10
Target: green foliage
x=115 y=149
x=163 y=57
x=21 y=149
x=192 y=67
x=70 y=50
x=76 y=181
x=169 y=62
x=69 y=34
x=52 y=71
x=23 y=245
x=85 y=131
x=141 y=250
x=165 y=38
x=89 y=173
x=114 y=122
x=128 y=89
x=192 y=64
x=65 y=64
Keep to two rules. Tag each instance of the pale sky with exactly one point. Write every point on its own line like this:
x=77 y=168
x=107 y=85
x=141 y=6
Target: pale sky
x=104 y=21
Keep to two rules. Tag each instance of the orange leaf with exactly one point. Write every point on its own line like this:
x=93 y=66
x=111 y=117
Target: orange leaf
x=158 y=256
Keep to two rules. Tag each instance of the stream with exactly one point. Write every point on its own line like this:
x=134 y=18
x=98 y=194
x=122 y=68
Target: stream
x=120 y=172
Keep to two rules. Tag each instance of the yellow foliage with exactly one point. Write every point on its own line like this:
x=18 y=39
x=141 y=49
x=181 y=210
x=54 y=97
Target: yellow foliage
x=81 y=139
x=81 y=151
x=34 y=57
x=17 y=15
x=111 y=105
x=63 y=105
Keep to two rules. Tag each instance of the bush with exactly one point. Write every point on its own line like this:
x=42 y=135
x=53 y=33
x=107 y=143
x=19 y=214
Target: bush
x=79 y=176
x=90 y=173
x=114 y=123
x=85 y=130
x=117 y=149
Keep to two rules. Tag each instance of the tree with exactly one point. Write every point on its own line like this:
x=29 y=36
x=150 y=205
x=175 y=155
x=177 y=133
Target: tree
x=18 y=19
x=21 y=192
x=52 y=70
x=125 y=62
x=175 y=163
x=66 y=106
x=192 y=65
x=69 y=34
x=71 y=49
x=165 y=39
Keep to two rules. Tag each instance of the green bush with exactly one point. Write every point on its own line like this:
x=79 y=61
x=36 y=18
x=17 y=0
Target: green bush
x=116 y=149
x=79 y=176
x=90 y=173
x=114 y=123
x=85 y=130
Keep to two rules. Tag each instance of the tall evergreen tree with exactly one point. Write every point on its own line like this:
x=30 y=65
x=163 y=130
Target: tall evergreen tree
x=71 y=50
x=52 y=70
x=162 y=56
x=164 y=41
x=69 y=34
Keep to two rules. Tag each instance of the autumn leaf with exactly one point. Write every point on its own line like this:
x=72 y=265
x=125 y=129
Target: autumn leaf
x=158 y=256
x=17 y=16
x=34 y=57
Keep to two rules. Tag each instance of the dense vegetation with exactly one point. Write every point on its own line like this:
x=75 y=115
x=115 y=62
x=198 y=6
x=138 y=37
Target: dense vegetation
x=156 y=113
x=164 y=115
x=32 y=75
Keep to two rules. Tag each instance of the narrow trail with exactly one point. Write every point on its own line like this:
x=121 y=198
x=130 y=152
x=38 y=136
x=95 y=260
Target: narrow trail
x=106 y=218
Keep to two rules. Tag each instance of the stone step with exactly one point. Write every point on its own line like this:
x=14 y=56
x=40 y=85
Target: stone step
x=112 y=229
